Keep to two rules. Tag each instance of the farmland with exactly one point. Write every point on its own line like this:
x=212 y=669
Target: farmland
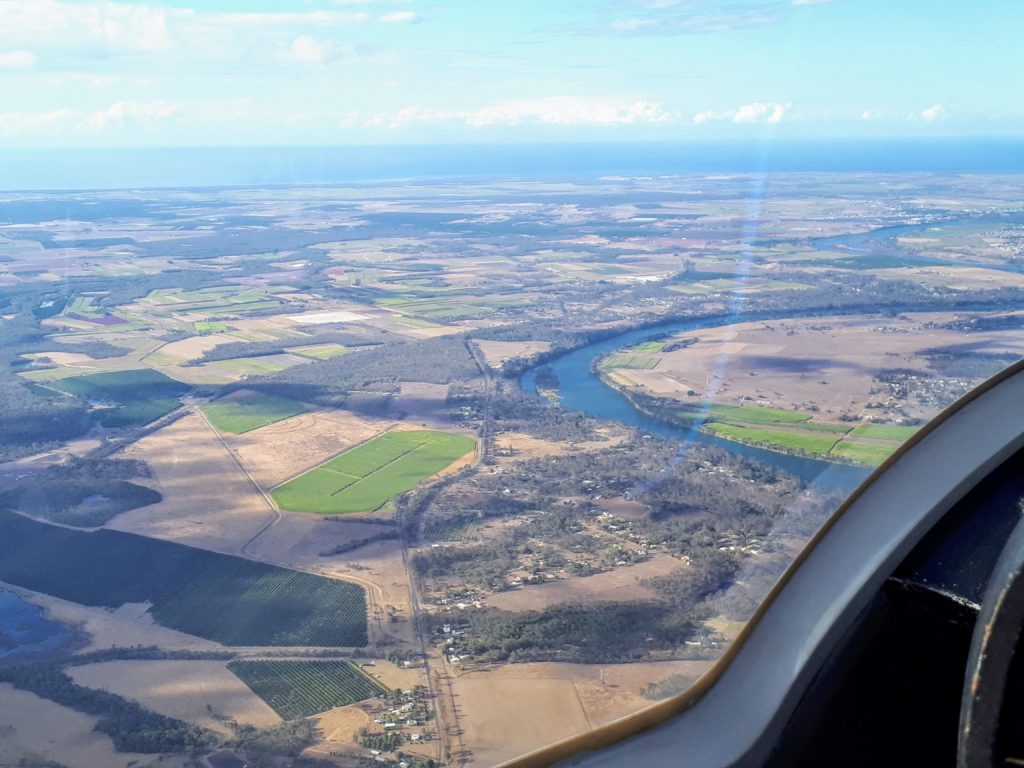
x=296 y=689
x=218 y=597
x=238 y=415
x=135 y=397
x=368 y=476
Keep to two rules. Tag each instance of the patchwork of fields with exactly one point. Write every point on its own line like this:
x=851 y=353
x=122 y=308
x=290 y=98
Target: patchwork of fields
x=222 y=598
x=296 y=689
x=778 y=429
x=368 y=476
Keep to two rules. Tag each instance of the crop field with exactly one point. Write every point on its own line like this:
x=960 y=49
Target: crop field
x=755 y=414
x=138 y=397
x=799 y=441
x=368 y=476
x=210 y=326
x=252 y=365
x=226 y=599
x=865 y=453
x=297 y=689
x=649 y=347
x=628 y=360
x=321 y=351
x=242 y=414
x=885 y=431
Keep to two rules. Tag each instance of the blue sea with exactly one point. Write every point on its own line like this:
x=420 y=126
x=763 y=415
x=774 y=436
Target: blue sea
x=256 y=166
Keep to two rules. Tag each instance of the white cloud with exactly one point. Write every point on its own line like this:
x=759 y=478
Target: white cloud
x=567 y=110
x=710 y=116
x=130 y=111
x=69 y=32
x=398 y=17
x=757 y=112
x=936 y=112
x=18 y=60
x=760 y=113
x=304 y=50
x=869 y=114
x=17 y=123
x=555 y=110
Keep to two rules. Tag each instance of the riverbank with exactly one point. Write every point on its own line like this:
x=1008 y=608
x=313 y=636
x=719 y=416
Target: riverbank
x=731 y=431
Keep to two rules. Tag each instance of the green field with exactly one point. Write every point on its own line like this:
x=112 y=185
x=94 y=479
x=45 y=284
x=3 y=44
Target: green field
x=226 y=599
x=627 y=360
x=800 y=441
x=127 y=398
x=864 y=453
x=885 y=432
x=368 y=476
x=297 y=689
x=649 y=347
x=243 y=414
x=209 y=326
x=250 y=365
x=320 y=351
x=754 y=414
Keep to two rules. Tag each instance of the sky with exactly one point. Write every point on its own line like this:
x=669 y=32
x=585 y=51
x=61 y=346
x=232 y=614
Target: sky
x=85 y=73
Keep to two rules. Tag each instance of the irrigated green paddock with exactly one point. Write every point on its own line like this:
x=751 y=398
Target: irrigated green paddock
x=368 y=476
x=243 y=414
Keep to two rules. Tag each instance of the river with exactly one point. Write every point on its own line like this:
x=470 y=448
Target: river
x=582 y=390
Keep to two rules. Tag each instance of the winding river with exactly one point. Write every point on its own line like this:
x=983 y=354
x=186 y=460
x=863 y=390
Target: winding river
x=582 y=390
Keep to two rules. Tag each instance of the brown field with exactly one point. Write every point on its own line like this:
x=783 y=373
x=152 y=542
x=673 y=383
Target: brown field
x=628 y=509
x=105 y=628
x=620 y=585
x=278 y=452
x=340 y=728
x=299 y=539
x=200 y=692
x=208 y=502
x=541 y=703
x=497 y=352
x=194 y=347
x=422 y=401
x=35 y=730
x=957 y=278
x=792 y=364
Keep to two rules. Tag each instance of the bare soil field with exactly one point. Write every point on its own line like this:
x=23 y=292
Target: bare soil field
x=422 y=401
x=956 y=278
x=826 y=362
x=497 y=352
x=299 y=539
x=278 y=452
x=193 y=348
x=127 y=626
x=510 y=710
x=340 y=728
x=200 y=692
x=208 y=502
x=622 y=584
x=628 y=509
x=35 y=730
